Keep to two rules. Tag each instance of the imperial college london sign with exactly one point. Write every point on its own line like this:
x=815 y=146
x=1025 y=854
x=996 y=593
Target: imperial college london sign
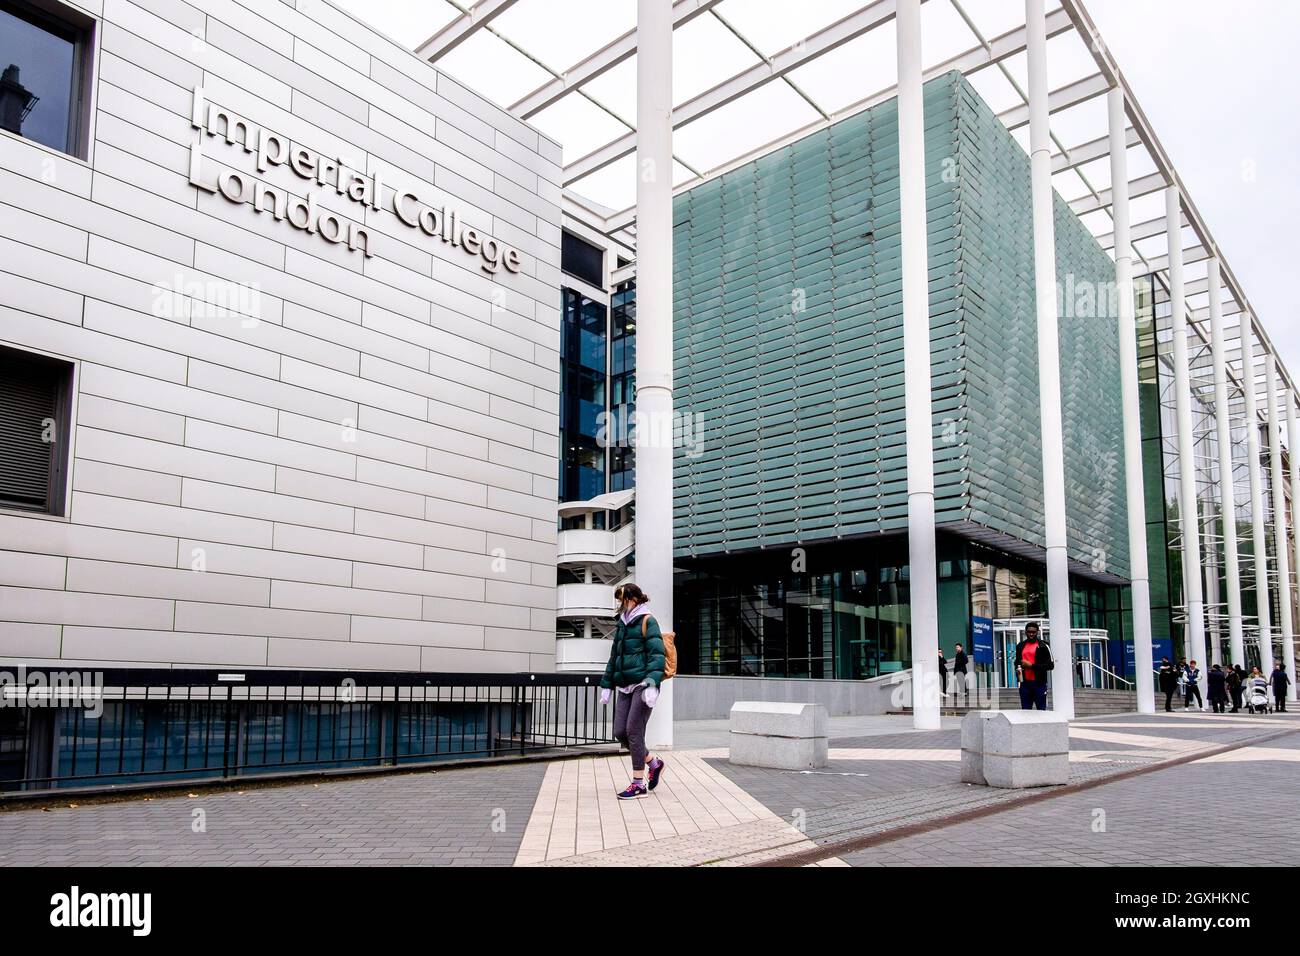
x=272 y=149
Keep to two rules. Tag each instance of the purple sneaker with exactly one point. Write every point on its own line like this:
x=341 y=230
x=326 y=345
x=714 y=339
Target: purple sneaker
x=654 y=770
x=634 y=789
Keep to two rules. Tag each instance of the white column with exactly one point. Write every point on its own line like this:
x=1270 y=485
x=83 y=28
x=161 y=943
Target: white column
x=654 y=346
x=1256 y=497
x=1293 y=450
x=1227 y=488
x=1049 y=360
x=1188 y=506
x=1279 y=523
x=1212 y=596
x=922 y=560
x=1134 y=485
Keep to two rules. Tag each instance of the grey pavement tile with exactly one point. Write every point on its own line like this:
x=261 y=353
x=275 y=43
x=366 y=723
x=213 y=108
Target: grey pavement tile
x=431 y=818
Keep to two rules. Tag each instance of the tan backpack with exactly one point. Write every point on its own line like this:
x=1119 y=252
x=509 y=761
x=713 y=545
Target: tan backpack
x=670 y=648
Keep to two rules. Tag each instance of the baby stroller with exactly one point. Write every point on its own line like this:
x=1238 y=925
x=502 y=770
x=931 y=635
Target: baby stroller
x=1256 y=694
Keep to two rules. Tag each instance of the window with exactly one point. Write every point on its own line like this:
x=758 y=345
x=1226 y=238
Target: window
x=35 y=406
x=581 y=259
x=44 y=81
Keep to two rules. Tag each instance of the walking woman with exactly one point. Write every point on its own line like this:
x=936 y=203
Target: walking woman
x=633 y=675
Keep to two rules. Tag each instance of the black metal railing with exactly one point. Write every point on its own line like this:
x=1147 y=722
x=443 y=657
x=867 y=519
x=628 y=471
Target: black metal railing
x=139 y=727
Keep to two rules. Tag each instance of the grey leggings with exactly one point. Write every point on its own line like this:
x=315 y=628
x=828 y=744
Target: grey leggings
x=630 y=716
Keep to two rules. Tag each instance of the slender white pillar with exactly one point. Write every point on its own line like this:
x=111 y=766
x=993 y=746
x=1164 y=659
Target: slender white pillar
x=654 y=345
x=1227 y=487
x=1188 y=506
x=1281 y=544
x=1293 y=449
x=1049 y=360
x=1265 y=611
x=1212 y=588
x=1134 y=484
x=922 y=559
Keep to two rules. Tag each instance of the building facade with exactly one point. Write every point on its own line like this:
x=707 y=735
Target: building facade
x=280 y=335
x=791 y=511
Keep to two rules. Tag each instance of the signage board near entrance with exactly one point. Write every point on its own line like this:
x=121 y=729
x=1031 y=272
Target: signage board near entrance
x=1160 y=647
x=981 y=640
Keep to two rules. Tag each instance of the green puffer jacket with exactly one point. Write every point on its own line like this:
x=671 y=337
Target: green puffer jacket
x=634 y=659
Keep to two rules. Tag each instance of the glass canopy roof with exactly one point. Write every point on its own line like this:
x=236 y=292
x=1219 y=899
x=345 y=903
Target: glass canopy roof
x=750 y=75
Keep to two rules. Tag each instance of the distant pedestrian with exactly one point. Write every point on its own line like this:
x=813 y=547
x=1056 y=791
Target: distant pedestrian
x=1033 y=661
x=1235 y=676
x=633 y=674
x=1216 y=686
x=1280 y=682
x=959 y=664
x=1192 y=686
x=1168 y=682
x=943 y=673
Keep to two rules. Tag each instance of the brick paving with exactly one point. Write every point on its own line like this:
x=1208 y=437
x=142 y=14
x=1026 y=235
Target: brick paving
x=1234 y=809
x=463 y=817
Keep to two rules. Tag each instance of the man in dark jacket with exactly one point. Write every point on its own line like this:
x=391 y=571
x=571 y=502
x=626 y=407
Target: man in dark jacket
x=1216 y=685
x=959 y=661
x=1280 y=681
x=1033 y=662
x=1168 y=682
x=1234 y=676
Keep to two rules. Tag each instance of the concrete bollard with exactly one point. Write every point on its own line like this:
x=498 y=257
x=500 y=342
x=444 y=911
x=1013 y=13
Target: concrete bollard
x=782 y=736
x=972 y=746
x=1025 y=748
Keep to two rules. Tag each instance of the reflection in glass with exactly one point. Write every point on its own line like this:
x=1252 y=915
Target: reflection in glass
x=37 y=79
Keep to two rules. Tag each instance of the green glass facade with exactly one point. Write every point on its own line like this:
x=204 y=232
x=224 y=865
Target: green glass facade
x=788 y=314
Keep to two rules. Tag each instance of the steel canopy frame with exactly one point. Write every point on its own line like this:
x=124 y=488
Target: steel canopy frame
x=1071 y=15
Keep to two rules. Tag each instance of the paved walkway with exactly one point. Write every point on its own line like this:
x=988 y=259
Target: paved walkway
x=1234 y=809
x=882 y=776
x=471 y=816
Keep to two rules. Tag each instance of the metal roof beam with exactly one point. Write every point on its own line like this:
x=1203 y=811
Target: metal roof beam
x=1143 y=186
x=602 y=61
x=977 y=58
x=746 y=81
x=1085 y=153
x=1143 y=230
x=462 y=28
x=1106 y=63
x=1072 y=94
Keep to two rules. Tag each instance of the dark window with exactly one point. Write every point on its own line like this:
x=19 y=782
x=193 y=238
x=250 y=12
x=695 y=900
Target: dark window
x=35 y=404
x=580 y=258
x=43 y=78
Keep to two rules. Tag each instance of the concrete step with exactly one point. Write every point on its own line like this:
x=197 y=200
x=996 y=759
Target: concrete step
x=1088 y=702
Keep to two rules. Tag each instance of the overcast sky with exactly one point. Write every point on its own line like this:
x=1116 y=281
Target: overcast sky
x=1218 y=80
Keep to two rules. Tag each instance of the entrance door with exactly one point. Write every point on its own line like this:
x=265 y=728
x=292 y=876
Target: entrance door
x=1089 y=661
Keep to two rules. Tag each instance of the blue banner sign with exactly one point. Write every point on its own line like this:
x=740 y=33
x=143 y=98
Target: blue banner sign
x=981 y=640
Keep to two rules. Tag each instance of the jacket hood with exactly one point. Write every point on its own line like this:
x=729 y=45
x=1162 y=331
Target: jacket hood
x=636 y=612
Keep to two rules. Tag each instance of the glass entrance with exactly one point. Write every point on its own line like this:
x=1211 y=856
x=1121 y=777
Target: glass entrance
x=1089 y=650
